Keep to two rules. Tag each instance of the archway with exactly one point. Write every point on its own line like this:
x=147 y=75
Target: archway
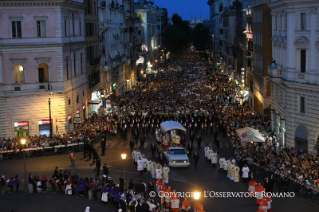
x=301 y=139
x=43 y=73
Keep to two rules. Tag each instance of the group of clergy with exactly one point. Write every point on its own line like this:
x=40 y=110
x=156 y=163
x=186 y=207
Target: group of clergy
x=211 y=155
x=230 y=167
x=150 y=166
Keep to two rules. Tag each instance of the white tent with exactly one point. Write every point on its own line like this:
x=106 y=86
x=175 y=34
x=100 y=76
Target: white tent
x=172 y=125
x=249 y=134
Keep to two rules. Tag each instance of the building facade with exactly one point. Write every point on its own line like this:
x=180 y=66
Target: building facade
x=148 y=29
x=42 y=58
x=92 y=54
x=227 y=36
x=115 y=43
x=215 y=7
x=294 y=73
x=261 y=24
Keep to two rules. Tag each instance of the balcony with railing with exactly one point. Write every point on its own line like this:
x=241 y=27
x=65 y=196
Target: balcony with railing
x=275 y=71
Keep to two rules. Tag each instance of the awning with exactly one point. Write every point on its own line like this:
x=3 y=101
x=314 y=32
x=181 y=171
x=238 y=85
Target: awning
x=249 y=134
x=94 y=102
x=172 y=125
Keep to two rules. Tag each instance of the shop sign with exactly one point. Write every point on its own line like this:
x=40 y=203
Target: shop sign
x=77 y=120
x=45 y=122
x=21 y=124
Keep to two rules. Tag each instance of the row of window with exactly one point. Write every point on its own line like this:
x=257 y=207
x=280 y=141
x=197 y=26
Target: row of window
x=18 y=73
x=281 y=24
x=43 y=70
x=41 y=27
x=17 y=29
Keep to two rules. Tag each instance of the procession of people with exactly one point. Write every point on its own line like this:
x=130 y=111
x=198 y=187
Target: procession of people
x=205 y=103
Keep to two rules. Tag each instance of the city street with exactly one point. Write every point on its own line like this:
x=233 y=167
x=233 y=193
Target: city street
x=205 y=178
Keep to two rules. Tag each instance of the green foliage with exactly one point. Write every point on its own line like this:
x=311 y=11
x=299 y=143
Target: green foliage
x=177 y=36
x=200 y=37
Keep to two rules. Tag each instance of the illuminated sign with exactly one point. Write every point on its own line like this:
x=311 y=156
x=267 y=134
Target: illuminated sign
x=21 y=124
x=45 y=122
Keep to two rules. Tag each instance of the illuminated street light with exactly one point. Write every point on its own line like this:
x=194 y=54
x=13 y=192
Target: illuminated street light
x=196 y=195
x=23 y=142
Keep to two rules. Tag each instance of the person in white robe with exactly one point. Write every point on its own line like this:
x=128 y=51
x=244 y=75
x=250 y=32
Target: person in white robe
x=206 y=150
x=166 y=170
x=236 y=174
x=159 y=172
x=153 y=169
x=221 y=164
x=213 y=158
x=140 y=166
x=245 y=171
x=149 y=166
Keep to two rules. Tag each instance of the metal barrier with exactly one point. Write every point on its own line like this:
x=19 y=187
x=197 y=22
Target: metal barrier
x=295 y=184
x=41 y=151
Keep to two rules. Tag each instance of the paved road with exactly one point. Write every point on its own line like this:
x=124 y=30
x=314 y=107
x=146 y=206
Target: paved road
x=205 y=178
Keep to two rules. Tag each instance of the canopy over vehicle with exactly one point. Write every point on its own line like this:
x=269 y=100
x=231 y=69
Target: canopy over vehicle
x=172 y=125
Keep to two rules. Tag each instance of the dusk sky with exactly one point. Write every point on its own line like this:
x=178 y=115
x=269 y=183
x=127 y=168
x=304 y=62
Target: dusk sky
x=185 y=8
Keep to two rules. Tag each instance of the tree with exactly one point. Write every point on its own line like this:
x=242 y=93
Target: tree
x=177 y=36
x=200 y=37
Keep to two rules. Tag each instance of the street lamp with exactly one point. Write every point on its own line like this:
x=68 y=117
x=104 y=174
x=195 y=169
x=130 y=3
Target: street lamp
x=49 y=89
x=123 y=156
x=23 y=142
x=196 y=195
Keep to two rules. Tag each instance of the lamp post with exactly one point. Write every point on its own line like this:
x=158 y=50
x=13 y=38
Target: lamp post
x=123 y=156
x=49 y=101
x=23 y=142
x=49 y=90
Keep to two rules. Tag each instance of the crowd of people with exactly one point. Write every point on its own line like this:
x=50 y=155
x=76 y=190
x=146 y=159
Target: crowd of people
x=204 y=103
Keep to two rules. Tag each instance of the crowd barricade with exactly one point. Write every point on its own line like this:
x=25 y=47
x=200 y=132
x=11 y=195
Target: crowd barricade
x=295 y=184
x=41 y=151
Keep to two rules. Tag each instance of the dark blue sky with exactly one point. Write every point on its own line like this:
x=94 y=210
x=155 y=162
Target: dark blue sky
x=185 y=8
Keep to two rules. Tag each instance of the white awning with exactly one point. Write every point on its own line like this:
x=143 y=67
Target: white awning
x=172 y=125
x=249 y=134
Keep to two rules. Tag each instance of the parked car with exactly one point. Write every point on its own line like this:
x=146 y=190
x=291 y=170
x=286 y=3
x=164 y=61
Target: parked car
x=176 y=157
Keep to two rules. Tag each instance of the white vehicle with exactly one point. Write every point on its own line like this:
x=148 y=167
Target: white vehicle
x=177 y=157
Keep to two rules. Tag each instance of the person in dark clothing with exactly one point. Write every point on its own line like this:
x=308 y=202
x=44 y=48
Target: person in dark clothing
x=192 y=137
x=90 y=150
x=150 y=186
x=123 y=204
x=161 y=158
x=32 y=181
x=103 y=146
x=145 y=207
x=267 y=185
x=217 y=144
x=142 y=142
x=138 y=207
x=105 y=170
x=95 y=155
x=85 y=149
x=199 y=141
x=121 y=183
x=98 y=165
x=56 y=172
x=17 y=183
x=196 y=158
x=132 y=206
x=189 y=148
x=132 y=144
x=153 y=149
x=131 y=184
x=271 y=182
